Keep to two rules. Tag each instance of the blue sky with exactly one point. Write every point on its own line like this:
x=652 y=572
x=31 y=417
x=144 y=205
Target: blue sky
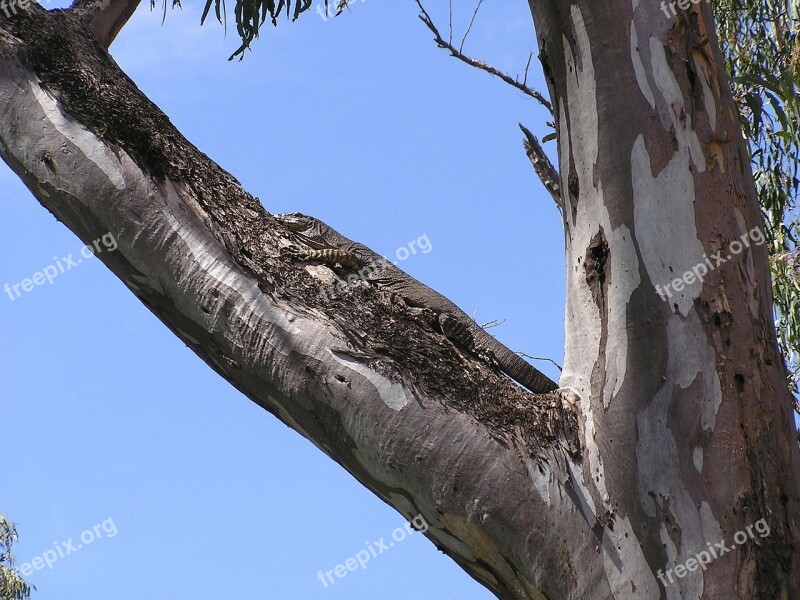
x=110 y=420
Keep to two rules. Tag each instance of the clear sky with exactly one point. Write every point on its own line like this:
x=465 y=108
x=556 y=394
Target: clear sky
x=110 y=421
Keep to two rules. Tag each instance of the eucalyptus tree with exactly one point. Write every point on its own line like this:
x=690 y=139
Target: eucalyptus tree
x=665 y=465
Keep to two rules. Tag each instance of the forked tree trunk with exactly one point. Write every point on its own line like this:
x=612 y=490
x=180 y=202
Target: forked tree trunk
x=674 y=428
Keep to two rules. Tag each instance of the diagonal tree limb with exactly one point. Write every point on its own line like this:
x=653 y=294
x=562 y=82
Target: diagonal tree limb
x=479 y=64
x=105 y=18
x=541 y=164
x=369 y=381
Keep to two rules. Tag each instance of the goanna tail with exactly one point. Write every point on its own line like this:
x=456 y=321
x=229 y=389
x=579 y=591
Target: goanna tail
x=515 y=366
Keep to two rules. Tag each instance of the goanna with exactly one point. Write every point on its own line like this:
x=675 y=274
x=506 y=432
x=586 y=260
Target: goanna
x=330 y=247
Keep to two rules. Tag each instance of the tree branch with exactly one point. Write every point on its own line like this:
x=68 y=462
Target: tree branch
x=541 y=164
x=104 y=18
x=479 y=64
x=430 y=430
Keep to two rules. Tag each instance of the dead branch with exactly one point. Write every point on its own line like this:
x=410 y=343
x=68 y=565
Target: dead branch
x=478 y=64
x=542 y=165
x=522 y=354
x=105 y=18
x=493 y=323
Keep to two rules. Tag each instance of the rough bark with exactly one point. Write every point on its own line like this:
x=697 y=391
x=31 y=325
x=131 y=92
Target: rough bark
x=686 y=421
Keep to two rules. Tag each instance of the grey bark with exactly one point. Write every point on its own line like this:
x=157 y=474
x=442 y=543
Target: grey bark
x=673 y=430
x=687 y=425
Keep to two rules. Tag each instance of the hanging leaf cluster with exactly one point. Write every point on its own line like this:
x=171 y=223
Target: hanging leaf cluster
x=250 y=15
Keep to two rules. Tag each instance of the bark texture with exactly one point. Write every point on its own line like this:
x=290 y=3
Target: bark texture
x=674 y=430
x=687 y=423
x=105 y=18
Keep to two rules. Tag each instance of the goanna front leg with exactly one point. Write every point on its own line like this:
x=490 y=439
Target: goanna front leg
x=330 y=256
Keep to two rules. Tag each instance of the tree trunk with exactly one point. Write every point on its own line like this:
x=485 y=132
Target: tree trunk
x=648 y=454
x=686 y=420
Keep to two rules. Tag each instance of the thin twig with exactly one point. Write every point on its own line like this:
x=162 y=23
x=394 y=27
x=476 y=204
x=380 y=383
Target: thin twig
x=541 y=358
x=425 y=18
x=450 y=19
x=541 y=164
x=493 y=323
x=527 y=66
x=471 y=21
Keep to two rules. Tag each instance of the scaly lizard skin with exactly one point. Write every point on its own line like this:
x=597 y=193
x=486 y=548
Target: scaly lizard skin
x=333 y=248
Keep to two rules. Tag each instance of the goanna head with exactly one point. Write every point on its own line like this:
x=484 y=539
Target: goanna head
x=295 y=221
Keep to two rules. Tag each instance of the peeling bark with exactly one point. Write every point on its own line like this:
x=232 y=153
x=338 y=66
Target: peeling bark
x=687 y=428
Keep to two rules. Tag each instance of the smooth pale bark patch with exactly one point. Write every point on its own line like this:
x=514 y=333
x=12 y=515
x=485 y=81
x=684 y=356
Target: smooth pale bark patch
x=664 y=202
x=392 y=394
x=602 y=276
x=79 y=136
x=638 y=67
x=579 y=146
x=664 y=210
x=661 y=478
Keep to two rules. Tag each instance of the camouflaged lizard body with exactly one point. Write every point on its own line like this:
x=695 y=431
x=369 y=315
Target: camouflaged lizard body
x=332 y=248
